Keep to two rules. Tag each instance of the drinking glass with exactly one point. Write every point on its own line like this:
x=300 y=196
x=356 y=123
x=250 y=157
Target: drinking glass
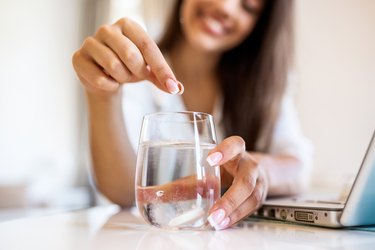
x=175 y=185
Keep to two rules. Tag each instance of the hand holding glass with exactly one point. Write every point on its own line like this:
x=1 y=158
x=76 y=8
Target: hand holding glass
x=175 y=185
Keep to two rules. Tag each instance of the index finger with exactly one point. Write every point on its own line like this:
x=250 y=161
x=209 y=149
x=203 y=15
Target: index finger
x=166 y=80
x=227 y=151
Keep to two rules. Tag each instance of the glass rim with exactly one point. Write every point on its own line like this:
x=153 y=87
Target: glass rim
x=202 y=115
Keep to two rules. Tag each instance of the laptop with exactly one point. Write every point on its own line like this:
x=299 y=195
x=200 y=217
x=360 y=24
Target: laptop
x=358 y=209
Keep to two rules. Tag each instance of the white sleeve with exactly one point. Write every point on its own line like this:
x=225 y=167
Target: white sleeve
x=137 y=101
x=288 y=138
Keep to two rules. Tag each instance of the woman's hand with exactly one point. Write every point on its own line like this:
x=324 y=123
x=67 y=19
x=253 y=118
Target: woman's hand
x=246 y=178
x=122 y=53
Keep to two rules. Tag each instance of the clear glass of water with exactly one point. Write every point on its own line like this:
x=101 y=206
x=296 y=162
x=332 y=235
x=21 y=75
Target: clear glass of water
x=175 y=185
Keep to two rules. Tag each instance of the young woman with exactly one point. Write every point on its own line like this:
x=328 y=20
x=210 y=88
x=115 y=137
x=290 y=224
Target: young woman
x=229 y=58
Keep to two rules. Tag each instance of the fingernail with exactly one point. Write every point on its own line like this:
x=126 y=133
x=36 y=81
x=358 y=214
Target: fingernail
x=224 y=224
x=181 y=88
x=216 y=217
x=215 y=158
x=172 y=86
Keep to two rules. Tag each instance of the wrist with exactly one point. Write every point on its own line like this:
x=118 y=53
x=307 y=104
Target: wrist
x=103 y=98
x=104 y=105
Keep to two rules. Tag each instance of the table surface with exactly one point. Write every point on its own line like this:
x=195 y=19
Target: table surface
x=108 y=227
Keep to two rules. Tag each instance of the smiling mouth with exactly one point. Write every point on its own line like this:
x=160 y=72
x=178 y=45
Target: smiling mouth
x=212 y=25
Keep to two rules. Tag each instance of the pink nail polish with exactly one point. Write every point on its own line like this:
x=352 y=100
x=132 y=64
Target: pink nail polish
x=172 y=86
x=216 y=217
x=215 y=158
x=224 y=224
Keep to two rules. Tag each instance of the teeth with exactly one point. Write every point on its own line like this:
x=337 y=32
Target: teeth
x=215 y=25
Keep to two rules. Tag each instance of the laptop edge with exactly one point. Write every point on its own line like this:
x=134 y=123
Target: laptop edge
x=358 y=210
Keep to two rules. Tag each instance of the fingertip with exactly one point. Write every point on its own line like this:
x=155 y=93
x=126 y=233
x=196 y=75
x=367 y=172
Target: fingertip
x=218 y=219
x=172 y=86
x=214 y=158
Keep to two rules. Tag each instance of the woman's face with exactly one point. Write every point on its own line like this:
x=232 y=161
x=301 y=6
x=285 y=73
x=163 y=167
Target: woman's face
x=218 y=25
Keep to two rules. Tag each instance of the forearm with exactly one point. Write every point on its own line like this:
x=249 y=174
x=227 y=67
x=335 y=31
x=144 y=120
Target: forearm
x=285 y=174
x=112 y=156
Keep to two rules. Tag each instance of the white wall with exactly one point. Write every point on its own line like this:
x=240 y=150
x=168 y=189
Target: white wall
x=109 y=11
x=336 y=96
x=40 y=106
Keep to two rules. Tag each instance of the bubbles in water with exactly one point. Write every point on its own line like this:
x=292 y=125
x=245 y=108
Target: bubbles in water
x=174 y=191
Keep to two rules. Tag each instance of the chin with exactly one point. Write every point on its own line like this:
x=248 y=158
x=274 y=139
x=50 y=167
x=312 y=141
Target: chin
x=209 y=45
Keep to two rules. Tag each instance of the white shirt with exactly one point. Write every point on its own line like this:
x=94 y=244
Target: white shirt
x=144 y=98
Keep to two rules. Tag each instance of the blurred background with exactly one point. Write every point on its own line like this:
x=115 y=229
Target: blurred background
x=44 y=163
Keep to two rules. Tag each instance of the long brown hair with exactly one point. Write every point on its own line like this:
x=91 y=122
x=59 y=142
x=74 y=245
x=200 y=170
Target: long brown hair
x=253 y=75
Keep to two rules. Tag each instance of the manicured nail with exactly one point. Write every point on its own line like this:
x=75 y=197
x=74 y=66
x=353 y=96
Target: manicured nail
x=224 y=224
x=215 y=218
x=215 y=158
x=172 y=86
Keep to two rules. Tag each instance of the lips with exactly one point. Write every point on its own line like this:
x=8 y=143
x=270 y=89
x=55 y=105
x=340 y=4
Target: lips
x=212 y=25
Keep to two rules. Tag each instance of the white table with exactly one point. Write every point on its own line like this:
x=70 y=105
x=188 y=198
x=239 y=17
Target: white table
x=110 y=228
